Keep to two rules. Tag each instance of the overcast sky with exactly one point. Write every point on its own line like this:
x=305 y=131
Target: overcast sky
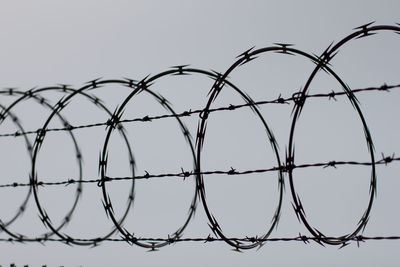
x=45 y=43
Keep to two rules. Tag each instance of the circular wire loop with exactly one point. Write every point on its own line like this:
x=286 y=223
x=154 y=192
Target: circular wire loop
x=7 y=112
x=143 y=86
x=220 y=82
x=322 y=63
x=63 y=102
x=299 y=99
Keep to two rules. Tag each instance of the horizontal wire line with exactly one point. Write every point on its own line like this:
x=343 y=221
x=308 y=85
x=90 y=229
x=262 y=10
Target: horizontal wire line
x=232 y=171
x=209 y=238
x=148 y=118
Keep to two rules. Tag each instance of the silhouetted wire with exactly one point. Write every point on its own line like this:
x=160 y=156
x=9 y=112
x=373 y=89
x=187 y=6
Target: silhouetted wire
x=300 y=98
x=232 y=172
x=22 y=207
x=44 y=102
x=359 y=239
x=38 y=142
x=111 y=124
x=322 y=62
x=148 y=118
x=35 y=94
x=144 y=85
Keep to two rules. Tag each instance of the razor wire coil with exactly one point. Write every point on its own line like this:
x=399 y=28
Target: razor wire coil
x=115 y=122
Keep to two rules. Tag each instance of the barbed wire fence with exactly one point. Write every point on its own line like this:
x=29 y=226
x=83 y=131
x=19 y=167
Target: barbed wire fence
x=285 y=167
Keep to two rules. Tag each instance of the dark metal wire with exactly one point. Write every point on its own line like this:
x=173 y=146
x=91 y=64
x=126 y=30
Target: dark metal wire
x=22 y=207
x=42 y=101
x=144 y=85
x=232 y=172
x=110 y=124
x=299 y=99
x=187 y=113
x=39 y=140
x=359 y=239
x=323 y=64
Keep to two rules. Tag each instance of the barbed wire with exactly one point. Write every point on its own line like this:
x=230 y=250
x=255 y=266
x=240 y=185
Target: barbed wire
x=321 y=62
x=34 y=94
x=148 y=118
x=209 y=239
x=285 y=167
x=184 y=174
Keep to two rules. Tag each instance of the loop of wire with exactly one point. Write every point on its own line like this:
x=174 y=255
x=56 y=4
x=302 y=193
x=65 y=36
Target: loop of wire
x=116 y=120
x=322 y=63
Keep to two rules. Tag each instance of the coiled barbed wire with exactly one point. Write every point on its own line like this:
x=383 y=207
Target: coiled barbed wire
x=35 y=94
x=7 y=112
x=187 y=113
x=321 y=62
x=361 y=32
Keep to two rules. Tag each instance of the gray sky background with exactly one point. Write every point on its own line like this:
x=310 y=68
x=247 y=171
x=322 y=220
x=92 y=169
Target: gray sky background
x=45 y=43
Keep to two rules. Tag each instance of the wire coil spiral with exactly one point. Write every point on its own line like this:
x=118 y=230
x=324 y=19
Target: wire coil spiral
x=115 y=123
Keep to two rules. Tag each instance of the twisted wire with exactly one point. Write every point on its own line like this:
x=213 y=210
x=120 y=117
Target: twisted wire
x=148 y=118
x=35 y=94
x=6 y=111
x=143 y=85
x=358 y=240
x=286 y=166
x=322 y=63
x=232 y=172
